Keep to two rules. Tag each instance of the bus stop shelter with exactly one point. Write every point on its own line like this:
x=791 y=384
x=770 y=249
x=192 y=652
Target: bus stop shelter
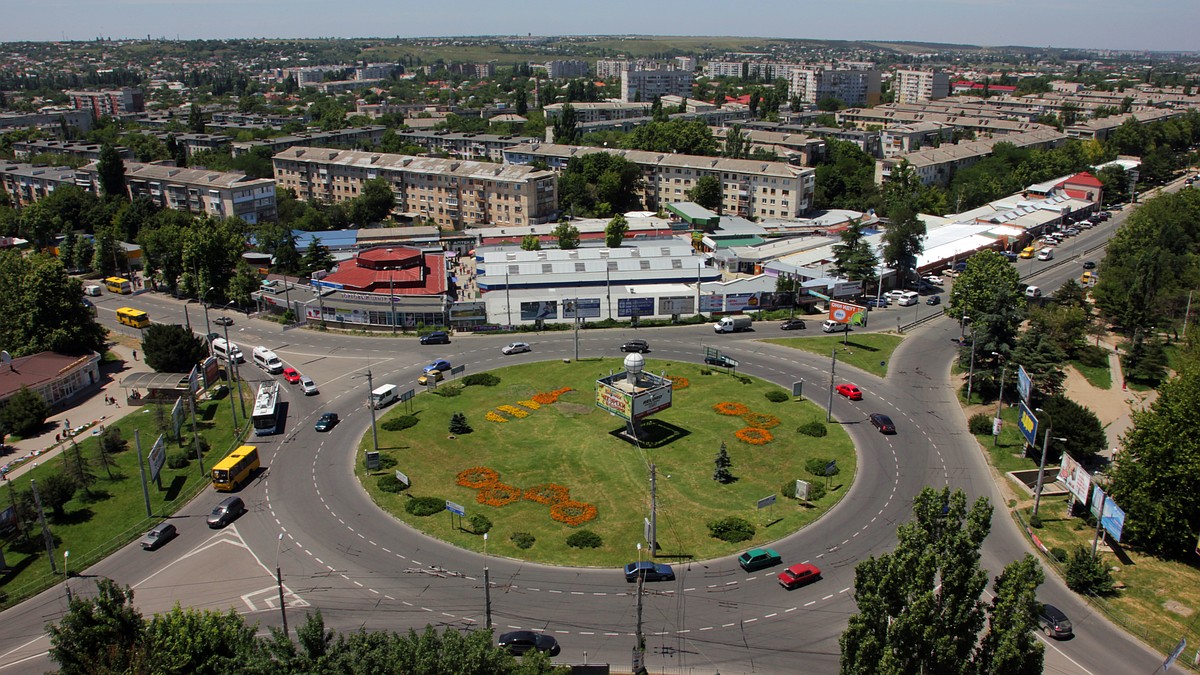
x=143 y=388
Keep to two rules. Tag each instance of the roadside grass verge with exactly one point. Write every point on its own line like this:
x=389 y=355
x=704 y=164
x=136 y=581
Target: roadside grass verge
x=871 y=352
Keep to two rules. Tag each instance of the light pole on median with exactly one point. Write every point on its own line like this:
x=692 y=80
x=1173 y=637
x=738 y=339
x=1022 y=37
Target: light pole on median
x=230 y=361
x=1037 y=490
x=487 y=586
x=207 y=326
x=1000 y=396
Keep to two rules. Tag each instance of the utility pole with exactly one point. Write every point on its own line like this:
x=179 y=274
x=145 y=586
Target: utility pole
x=279 y=583
x=576 y=311
x=37 y=500
x=832 y=369
x=653 y=510
x=229 y=360
x=195 y=437
x=371 y=407
x=487 y=586
x=1187 y=313
x=137 y=442
x=639 y=652
x=999 y=398
x=1037 y=490
x=67 y=573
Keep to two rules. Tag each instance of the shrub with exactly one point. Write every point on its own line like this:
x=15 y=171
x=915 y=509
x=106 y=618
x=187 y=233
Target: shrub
x=480 y=379
x=777 y=396
x=425 y=506
x=1086 y=573
x=386 y=462
x=584 y=539
x=1058 y=554
x=448 y=390
x=731 y=529
x=400 y=423
x=815 y=428
x=178 y=460
x=523 y=540
x=389 y=483
x=458 y=424
x=1092 y=356
x=1035 y=521
x=788 y=490
x=980 y=424
x=480 y=523
x=816 y=491
x=817 y=465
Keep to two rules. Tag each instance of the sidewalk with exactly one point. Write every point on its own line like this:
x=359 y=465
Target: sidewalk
x=87 y=415
x=1114 y=406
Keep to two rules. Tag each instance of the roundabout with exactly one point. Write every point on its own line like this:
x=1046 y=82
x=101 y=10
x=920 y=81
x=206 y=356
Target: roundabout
x=542 y=460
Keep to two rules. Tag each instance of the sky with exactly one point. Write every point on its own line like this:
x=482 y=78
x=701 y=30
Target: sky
x=1163 y=25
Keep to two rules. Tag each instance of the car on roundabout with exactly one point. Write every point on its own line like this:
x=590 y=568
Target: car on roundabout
x=158 y=535
x=438 y=337
x=881 y=302
x=326 y=422
x=308 y=386
x=759 y=558
x=649 y=571
x=430 y=377
x=1055 y=622
x=1089 y=264
x=223 y=321
x=934 y=300
x=883 y=423
x=792 y=324
x=291 y=375
x=515 y=348
x=798 y=575
x=850 y=391
x=639 y=346
x=519 y=642
x=721 y=360
x=440 y=364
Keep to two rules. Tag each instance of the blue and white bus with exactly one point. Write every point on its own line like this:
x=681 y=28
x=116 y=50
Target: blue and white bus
x=266 y=409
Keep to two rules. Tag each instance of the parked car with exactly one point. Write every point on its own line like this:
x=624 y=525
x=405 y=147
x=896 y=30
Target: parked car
x=799 y=575
x=1071 y=231
x=438 y=337
x=1089 y=264
x=934 y=300
x=935 y=280
x=1054 y=622
x=158 y=535
x=721 y=360
x=226 y=512
x=223 y=321
x=308 y=386
x=520 y=641
x=850 y=391
x=883 y=423
x=650 y=571
x=1010 y=256
x=792 y=324
x=895 y=294
x=639 y=346
x=759 y=558
x=1104 y=215
x=440 y=364
x=429 y=377
x=960 y=266
x=327 y=421
x=881 y=301
x=515 y=348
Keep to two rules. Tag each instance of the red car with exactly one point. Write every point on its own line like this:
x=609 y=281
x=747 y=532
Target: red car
x=850 y=391
x=291 y=375
x=799 y=575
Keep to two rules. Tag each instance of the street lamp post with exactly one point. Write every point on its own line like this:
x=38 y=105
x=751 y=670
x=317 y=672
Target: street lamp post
x=279 y=583
x=67 y=575
x=207 y=326
x=1000 y=396
x=1037 y=490
x=230 y=360
x=640 y=650
x=487 y=586
x=971 y=372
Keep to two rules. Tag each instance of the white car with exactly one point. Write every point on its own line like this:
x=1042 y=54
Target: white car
x=307 y=385
x=936 y=281
x=515 y=348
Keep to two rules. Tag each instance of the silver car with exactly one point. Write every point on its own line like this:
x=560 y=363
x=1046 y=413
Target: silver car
x=159 y=535
x=515 y=348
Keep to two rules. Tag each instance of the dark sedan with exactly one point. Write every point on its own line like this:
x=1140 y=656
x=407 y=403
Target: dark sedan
x=792 y=324
x=520 y=641
x=883 y=423
x=721 y=360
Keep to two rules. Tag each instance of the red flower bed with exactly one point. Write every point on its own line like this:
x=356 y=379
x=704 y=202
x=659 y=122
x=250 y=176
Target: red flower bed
x=498 y=494
x=733 y=409
x=548 y=397
x=754 y=436
x=679 y=382
x=547 y=493
x=478 y=477
x=573 y=512
x=761 y=420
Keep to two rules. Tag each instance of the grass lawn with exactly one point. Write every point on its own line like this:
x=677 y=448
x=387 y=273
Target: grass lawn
x=115 y=514
x=1007 y=455
x=570 y=443
x=1147 y=605
x=869 y=351
x=1101 y=378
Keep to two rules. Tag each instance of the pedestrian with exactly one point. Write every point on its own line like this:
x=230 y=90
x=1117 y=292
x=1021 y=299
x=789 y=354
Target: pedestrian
x=135 y=355
x=56 y=438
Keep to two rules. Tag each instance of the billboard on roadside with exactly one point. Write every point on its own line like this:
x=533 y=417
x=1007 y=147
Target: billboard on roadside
x=846 y=312
x=1027 y=422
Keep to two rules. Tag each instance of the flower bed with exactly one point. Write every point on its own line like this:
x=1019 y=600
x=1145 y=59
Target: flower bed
x=547 y=493
x=761 y=420
x=548 y=397
x=513 y=410
x=532 y=405
x=493 y=416
x=678 y=382
x=477 y=477
x=732 y=409
x=572 y=512
x=498 y=494
x=754 y=436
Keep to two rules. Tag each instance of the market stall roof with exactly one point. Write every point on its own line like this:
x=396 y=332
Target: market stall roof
x=156 y=381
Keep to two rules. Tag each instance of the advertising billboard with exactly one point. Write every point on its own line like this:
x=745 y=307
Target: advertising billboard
x=845 y=312
x=1027 y=423
x=614 y=396
x=635 y=306
x=712 y=303
x=847 y=289
x=736 y=302
x=1024 y=384
x=652 y=400
x=1077 y=480
x=583 y=308
x=677 y=305
x=157 y=457
x=614 y=400
x=542 y=309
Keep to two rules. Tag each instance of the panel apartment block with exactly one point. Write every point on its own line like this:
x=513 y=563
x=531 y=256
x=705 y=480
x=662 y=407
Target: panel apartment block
x=646 y=85
x=451 y=193
x=918 y=86
x=109 y=102
x=198 y=191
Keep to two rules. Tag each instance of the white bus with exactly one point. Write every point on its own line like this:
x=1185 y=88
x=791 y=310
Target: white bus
x=266 y=409
x=384 y=396
x=267 y=360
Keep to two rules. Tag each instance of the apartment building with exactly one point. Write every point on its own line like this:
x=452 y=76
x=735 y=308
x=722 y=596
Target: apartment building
x=468 y=145
x=112 y=102
x=905 y=138
x=687 y=63
x=199 y=191
x=763 y=70
x=27 y=183
x=449 y=192
x=600 y=111
x=266 y=120
x=751 y=189
x=50 y=120
x=1100 y=129
x=363 y=136
x=799 y=149
x=80 y=149
x=561 y=69
x=852 y=86
x=646 y=85
x=883 y=116
x=917 y=86
x=936 y=166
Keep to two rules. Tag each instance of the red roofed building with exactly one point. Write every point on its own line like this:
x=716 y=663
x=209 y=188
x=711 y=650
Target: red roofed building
x=962 y=86
x=1084 y=186
x=57 y=377
x=385 y=286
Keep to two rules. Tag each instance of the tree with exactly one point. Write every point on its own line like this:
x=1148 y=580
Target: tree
x=195 y=121
x=103 y=634
x=1010 y=646
x=111 y=170
x=317 y=256
x=1042 y=358
x=657 y=114
x=1086 y=573
x=171 y=348
x=845 y=177
x=853 y=257
x=107 y=255
x=1144 y=361
x=79 y=469
x=531 y=242
x=614 y=232
x=1078 y=424
x=919 y=606
x=598 y=178
x=42 y=309
x=721 y=462
x=567 y=235
x=198 y=641
x=459 y=424
x=903 y=241
x=707 y=192
x=737 y=144
x=56 y=490
x=25 y=412
x=1156 y=478
x=375 y=202
x=988 y=295
x=566 y=126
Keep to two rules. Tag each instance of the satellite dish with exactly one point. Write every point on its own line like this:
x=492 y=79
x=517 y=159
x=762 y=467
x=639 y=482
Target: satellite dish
x=5 y=357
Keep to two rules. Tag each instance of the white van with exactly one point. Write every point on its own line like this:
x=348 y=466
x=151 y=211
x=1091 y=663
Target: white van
x=384 y=396
x=1046 y=254
x=1033 y=292
x=831 y=326
x=227 y=350
x=908 y=299
x=92 y=290
x=267 y=360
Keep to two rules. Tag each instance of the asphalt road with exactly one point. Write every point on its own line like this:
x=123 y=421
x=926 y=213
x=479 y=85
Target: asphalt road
x=340 y=553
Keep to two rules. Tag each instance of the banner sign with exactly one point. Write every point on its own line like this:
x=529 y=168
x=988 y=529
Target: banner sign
x=582 y=308
x=635 y=306
x=1077 y=480
x=846 y=312
x=766 y=501
x=712 y=303
x=847 y=289
x=542 y=309
x=614 y=400
x=455 y=508
x=1024 y=384
x=1027 y=423
x=677 y=305
x=158 y=457
x=1113 y=520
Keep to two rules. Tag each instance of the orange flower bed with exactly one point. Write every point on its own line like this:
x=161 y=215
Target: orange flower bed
x=679 y=382
x=754 y=436
x=548 y=397
x=498 y=494
x=573 y=512
x=547 y=493
x=733 y=409
x=761 y=420
x=477 y=477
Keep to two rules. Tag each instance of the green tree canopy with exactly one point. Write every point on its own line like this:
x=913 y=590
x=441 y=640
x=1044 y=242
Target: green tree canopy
x=988 y=293
x=903 y=240
x=99 y=635
x=531 y=242
x=567 y=235
x=614 y=232
x=41 y=310
x=598 y=178
x=24 y=412
x=111 y=170
x=853 y=256
x=171 y=348
x=707 y=192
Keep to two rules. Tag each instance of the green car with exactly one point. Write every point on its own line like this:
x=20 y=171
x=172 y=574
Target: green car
x=758 y=558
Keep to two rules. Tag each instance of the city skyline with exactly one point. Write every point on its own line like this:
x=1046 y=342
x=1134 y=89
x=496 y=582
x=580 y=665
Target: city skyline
x=1164 y=25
